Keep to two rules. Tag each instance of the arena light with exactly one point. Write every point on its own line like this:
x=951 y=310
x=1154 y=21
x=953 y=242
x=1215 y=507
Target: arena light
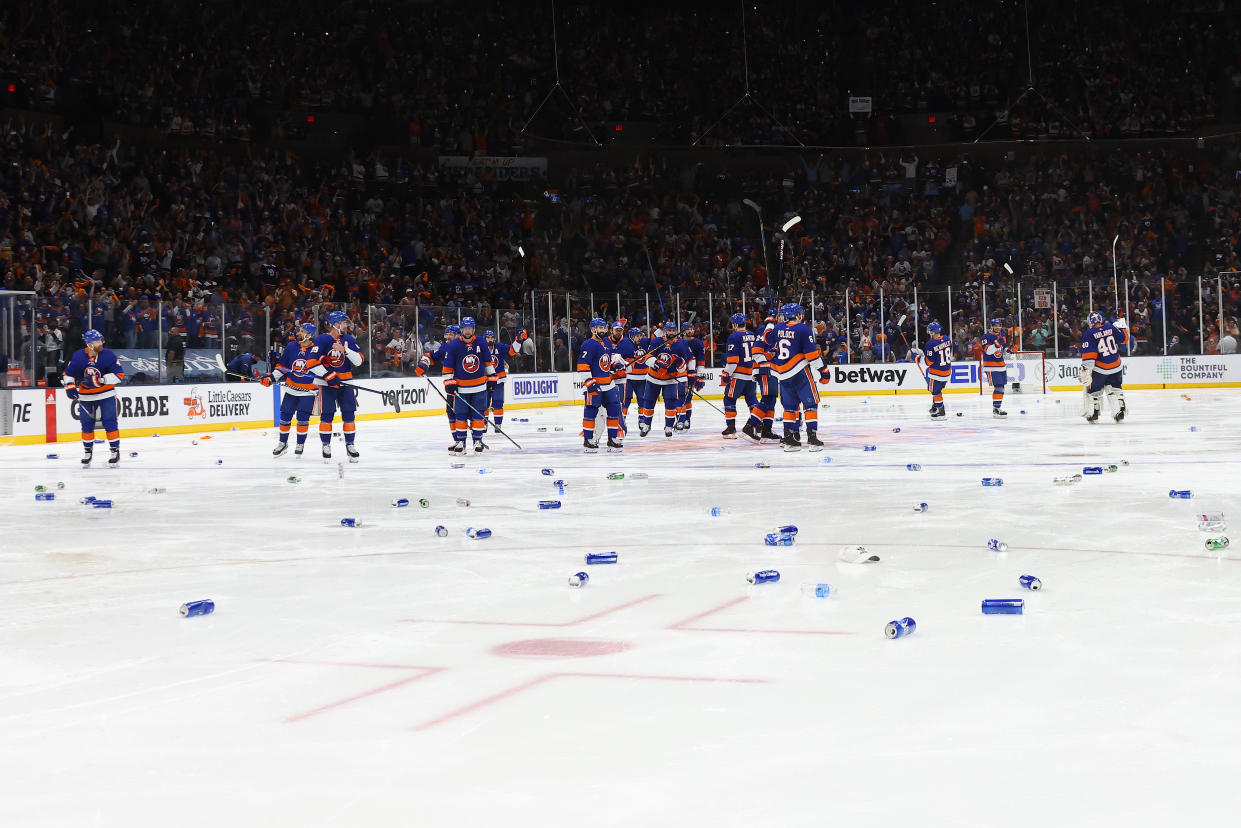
x=794 y=220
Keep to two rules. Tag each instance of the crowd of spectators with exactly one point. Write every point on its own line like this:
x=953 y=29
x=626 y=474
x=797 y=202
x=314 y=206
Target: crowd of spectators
x=210 y=248
x=468 y=77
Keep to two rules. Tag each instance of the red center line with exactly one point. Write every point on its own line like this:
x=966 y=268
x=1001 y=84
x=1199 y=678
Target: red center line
x=582 y=620
x=521 y=688
x=684 y=624
x=425 y=672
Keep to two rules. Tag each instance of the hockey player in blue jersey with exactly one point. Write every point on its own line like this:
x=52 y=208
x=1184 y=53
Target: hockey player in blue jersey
x=692 y=381
x=294 y=370
x=635 y=381
x=937 y=357
x=91 y=378
x=766 y=385
x=667 y=358
x=335 y=355
x=596 y=362
x=451 y=332
x=499 y=363
x=994 y=350
x=797 y=364
x=467 y=360
x=622 y=345
x=1101 y=371
x=737 y=376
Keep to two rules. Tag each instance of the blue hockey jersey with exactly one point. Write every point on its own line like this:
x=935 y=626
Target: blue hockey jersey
x=795 y=350
x=1101 y=347
x=938 y=357
x=739 y=354
x=296 y=366
x=333 y=360
x=468 y=363
x=594 y=364
x=94 y=377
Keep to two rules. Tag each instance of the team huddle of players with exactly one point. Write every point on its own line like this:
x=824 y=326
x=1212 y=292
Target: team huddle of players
x=616 y=367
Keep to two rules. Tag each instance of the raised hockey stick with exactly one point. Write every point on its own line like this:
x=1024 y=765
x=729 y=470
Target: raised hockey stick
x=483 y=417
x=917 y=359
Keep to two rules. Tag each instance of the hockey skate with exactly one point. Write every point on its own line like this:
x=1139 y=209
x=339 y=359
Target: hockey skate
x=790 y=442
x=644 y=429
x=681 y=425
x=615 y=445
x=938 y=413
x=590 y=446
x=730 y=431
x=813 y=441
x=280 y=449
x=327 y=452
x=998 y=412
x=1120 y=415
x=931 y=410
x=115 y=458
x=352 y=451
x=752 y=432
x=1091 y=416
x=480 y=446
x=457 y=447
x=668 y=431
x=89 y=450
x=770 y=435
x=299 y=449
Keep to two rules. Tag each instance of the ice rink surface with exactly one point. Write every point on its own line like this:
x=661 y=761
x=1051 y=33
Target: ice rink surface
x=385 y=676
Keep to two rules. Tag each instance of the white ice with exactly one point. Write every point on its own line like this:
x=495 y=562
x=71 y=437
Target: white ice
x=376 y=676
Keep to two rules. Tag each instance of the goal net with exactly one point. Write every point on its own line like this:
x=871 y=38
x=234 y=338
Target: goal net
x=1026 y=374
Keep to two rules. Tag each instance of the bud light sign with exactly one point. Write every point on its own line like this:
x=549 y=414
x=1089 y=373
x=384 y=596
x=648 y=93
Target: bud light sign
x=534 y=387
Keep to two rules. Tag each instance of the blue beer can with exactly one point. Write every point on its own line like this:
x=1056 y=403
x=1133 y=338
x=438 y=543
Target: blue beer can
x=900 y=628
x=191 y=608
x=764 y=576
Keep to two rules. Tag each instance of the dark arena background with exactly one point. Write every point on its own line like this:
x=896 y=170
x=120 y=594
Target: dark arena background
x=557 y=414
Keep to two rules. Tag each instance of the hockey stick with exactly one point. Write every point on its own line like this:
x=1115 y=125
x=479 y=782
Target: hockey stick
x=390 y=397
x=917 y=359
x=396 y=404
x=708 y=402
x=482 y=417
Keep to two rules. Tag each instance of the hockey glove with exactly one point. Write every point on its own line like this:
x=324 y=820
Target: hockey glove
x=265 y=380
x=700 y=383
x=71 y=392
